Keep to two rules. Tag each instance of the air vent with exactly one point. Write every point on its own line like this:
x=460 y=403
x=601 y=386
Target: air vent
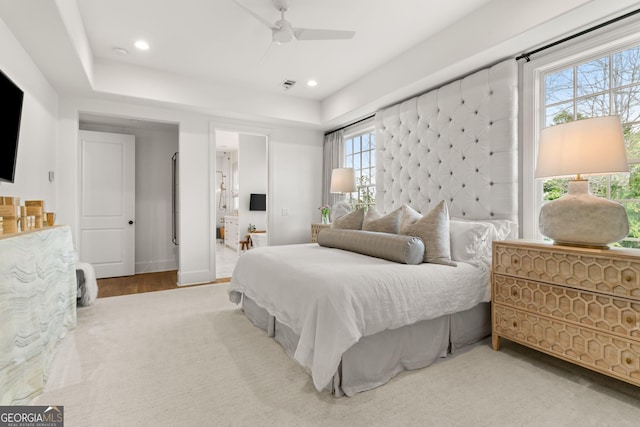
x=288 y=84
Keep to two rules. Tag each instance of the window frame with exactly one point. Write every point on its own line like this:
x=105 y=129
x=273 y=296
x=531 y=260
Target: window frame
x=348 y=137
x=602 y=43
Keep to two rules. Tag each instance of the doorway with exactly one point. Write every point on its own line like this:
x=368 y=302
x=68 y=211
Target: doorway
x=241 y=171
x=156 y=143
x=107 y=202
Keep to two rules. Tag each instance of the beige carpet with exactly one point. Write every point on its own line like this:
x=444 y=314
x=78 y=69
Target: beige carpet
x=188 y=357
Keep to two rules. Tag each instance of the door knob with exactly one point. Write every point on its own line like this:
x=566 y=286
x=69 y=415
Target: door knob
x=130 y=222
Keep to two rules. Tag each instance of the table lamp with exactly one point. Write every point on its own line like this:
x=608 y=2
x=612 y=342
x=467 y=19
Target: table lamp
x=584 y=147
x=342 y=181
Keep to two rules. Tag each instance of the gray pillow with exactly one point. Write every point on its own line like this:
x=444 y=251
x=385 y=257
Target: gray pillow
x=350 y=221
x=392 y=247
x=389 y=223
x=433 y=229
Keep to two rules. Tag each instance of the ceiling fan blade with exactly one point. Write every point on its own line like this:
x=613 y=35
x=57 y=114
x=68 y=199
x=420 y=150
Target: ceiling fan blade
x=255 y=15
x=312 y=34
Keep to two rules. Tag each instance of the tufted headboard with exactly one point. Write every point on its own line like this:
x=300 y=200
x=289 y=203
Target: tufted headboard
x=456 y=143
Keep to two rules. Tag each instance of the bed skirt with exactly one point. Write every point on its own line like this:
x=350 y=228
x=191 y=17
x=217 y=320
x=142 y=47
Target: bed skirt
x=375 y=359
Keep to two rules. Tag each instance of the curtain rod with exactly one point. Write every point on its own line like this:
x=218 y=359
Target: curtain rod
x=351 y=124
x=527 y=55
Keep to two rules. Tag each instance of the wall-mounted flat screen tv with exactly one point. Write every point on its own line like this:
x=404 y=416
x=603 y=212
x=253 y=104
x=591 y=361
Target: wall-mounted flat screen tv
x=10 y=115
x=258 y=202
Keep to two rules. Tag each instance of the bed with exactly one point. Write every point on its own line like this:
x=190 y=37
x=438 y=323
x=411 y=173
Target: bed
x=354 y=321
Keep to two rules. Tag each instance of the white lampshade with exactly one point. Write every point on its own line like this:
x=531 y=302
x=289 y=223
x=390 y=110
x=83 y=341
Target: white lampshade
x=583 y=147
x=342 y=180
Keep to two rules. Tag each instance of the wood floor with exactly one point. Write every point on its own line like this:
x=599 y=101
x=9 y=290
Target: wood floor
x=140 y=283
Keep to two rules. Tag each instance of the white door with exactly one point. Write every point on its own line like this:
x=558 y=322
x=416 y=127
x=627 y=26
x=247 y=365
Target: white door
x=107 y=203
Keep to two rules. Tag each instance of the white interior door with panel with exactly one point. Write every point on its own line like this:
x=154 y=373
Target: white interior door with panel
x=107 y=203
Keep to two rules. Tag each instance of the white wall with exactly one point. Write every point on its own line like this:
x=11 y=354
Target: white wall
x=197 y=229
x=295 y=182
x=37 y=145
x=154 y=148
x=252 y=161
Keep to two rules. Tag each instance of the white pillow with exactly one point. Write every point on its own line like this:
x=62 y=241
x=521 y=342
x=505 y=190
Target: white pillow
x=501 y=229
x=505 y=229
x=339 y=209
x=470 y=241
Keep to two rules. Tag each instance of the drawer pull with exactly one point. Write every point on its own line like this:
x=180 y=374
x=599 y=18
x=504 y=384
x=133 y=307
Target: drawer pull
x=629 y=319
x=515 y=324
x=628 y=360
x=514 y=292
x=628 y=278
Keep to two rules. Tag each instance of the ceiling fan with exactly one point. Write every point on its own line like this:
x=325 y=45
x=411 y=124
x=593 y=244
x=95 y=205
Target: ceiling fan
x=283 y=32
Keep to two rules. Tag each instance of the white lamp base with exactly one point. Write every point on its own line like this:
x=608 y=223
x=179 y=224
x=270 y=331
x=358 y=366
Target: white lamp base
x=581 y=219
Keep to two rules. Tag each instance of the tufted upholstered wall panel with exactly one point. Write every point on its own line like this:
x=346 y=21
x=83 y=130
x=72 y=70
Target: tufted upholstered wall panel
x=456 y=143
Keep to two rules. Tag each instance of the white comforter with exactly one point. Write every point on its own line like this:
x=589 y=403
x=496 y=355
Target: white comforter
x=331 y=298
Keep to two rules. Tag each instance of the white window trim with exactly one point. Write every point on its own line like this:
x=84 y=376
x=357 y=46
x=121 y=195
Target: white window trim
x=359 y=129
x=618 y=38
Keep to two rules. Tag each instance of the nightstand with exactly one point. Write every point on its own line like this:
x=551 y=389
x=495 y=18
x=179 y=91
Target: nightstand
x=578 y=304
x=259 y=238
x=315 y=229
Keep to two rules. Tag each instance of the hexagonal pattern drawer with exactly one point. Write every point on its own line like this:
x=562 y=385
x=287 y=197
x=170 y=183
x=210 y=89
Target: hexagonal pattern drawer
x=617 y=357
x=604 y=273
x=605 y=313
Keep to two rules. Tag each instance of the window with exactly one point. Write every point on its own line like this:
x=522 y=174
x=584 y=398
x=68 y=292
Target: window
x=597 y=77
x=360 y=154
x=606 y=85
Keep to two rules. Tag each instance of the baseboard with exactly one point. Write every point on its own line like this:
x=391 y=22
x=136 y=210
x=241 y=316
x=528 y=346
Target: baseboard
x=186 y=278
x=156 y=266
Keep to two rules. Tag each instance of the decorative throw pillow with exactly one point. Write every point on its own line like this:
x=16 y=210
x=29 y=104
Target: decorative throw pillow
x=408 y=217
x=389 y=223
x=433 y=229
x=350 y=221
x=392 y=247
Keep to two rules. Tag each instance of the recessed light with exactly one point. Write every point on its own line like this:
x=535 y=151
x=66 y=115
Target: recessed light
x=120 y=51
x=142 y=45
x=312 y=83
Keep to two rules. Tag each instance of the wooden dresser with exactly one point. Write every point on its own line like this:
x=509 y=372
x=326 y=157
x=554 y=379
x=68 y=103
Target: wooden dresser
x=581 y=305
x=38 y=292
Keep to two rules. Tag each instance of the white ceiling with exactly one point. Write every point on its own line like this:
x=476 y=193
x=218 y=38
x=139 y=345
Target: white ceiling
x=218 y=41
x=212 y=57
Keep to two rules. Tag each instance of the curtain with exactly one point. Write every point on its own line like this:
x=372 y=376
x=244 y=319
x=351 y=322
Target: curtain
x=333 y=152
